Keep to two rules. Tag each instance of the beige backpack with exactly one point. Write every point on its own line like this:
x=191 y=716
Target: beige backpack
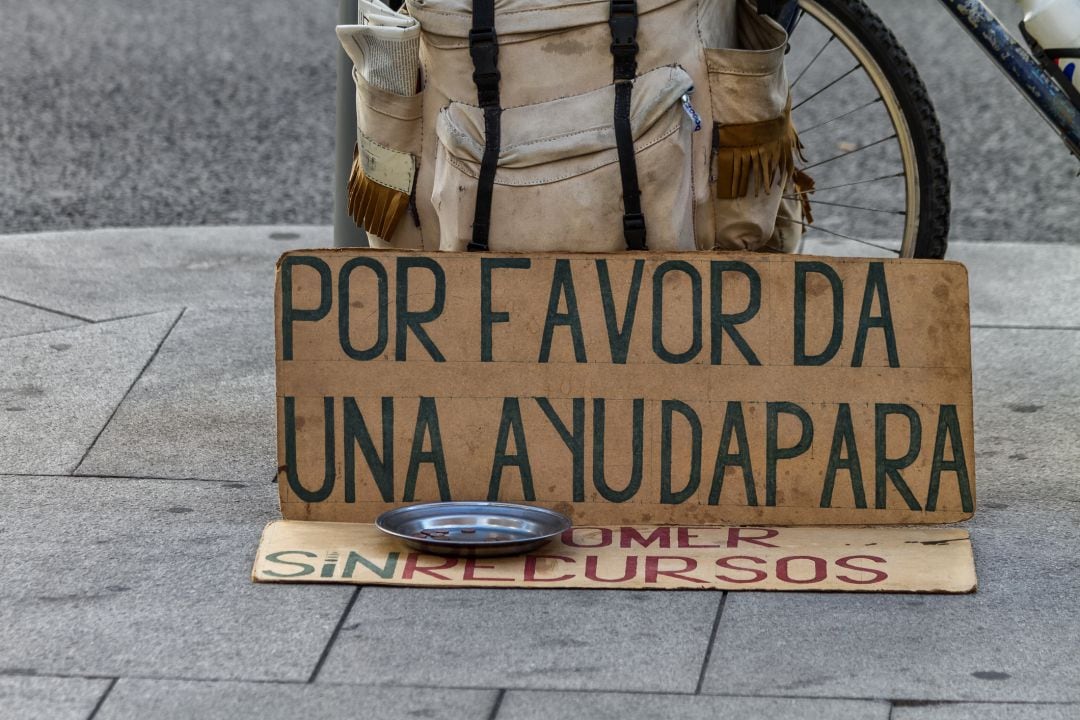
x=530 y=125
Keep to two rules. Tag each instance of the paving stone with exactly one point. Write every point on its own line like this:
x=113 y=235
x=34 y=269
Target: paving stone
x=204 y=408
x=59 y=388
x=102 y=274
x=167 y=700
x=528 y=705
x=48 y=698
x=150 y=578
x=19 y=319
x=1022 y=284
x=1016 y=639
x=986 y=711
x=1013 y=640
x=937 y=648
x=565 y=639
x=1027 y=400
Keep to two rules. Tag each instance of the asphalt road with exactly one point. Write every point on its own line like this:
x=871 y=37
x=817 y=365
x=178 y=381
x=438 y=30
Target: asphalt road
x=147 y=112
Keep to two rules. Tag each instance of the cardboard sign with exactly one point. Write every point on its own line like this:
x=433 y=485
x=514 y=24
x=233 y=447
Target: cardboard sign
x=629 y=388
x=937 y=560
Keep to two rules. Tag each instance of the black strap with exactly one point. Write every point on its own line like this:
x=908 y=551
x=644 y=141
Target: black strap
x=484 y=48
x=771 y=8
x=624 y=48
x=1058 y=53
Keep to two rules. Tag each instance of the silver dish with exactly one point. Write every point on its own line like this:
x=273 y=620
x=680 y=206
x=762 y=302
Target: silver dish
x=473 y=529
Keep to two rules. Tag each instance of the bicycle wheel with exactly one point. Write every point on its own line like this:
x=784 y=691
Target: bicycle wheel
x=872 y=139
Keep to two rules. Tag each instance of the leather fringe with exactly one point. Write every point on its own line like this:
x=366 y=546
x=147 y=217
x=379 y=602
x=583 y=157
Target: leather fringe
x=377 y=208
x=804 y=186
x=754 y=153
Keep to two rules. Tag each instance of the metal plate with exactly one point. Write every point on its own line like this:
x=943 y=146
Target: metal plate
x=473 y=529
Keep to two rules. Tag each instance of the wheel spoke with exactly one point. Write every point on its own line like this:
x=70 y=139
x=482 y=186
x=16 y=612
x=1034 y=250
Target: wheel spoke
x=812 y=61
x=847 y=237
x=846 y=185
x=854 y=207
x=812 y=128
x=850 y=152
x=808 y=99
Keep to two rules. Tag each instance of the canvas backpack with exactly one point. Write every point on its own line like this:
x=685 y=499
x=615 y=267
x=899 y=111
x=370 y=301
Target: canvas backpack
x=593 y=126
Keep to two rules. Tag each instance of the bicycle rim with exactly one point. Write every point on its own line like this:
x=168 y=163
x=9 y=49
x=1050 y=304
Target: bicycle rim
x=908 y=243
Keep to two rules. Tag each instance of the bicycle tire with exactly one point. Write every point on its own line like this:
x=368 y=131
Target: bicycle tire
x=897 y=70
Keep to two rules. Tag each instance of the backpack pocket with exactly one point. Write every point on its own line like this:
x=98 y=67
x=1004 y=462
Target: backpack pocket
x=754 y=142
x=558 y=184
x=386 y=69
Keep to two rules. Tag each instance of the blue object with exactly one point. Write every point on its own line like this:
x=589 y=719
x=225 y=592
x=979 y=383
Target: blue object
x=691 y=112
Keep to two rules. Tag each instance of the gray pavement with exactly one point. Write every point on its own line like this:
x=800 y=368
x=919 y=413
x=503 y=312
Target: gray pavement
x=135 y=479
x=158 y=113
x=50 y=698
x=165 y=113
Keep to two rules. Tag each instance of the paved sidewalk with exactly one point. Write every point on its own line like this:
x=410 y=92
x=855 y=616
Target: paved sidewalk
x=136 y=458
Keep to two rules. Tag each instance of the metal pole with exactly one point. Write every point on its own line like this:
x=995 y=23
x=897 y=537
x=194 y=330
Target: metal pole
x=346 y=233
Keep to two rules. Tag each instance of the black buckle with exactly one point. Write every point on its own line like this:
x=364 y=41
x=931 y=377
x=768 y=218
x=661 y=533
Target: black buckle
x=624 y=62
x=624 y=47
x=484 y=49
x=624 y=52
x=623 y=22
x=634 y=231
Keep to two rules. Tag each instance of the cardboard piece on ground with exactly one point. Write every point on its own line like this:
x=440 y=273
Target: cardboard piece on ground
x=647 y=388
x=911 y=559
